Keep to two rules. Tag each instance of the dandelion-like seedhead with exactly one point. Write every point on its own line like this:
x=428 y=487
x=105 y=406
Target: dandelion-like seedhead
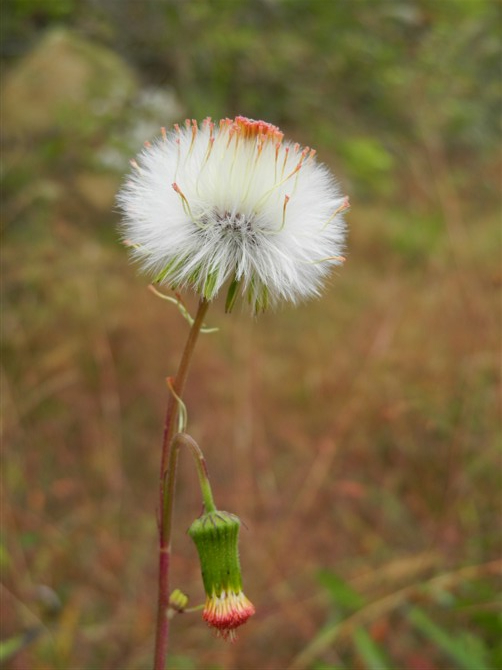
x=233 y=202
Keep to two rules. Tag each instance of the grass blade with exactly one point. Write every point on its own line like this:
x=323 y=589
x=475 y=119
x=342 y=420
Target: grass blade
x=373 y=656
x=457 y=648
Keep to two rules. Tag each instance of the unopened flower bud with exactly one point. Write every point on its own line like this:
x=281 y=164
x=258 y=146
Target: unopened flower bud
x=178 y=601
x=216 y=536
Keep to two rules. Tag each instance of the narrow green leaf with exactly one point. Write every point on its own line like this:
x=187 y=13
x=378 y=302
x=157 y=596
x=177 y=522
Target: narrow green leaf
x=208 y=289
x=374 y=658
x=320 y=665
x=261 y=303
x=232 y=295
x=342 y=594
x=163 y=273
x=251 y=290
x=10 y=647
x=466 y=655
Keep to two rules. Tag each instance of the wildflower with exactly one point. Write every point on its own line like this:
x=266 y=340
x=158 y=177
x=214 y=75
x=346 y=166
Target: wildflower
x=234 y=202
x=216 y=536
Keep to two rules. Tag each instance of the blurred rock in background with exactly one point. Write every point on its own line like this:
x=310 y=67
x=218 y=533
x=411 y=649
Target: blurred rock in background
x=66 y=86
x=73 y=106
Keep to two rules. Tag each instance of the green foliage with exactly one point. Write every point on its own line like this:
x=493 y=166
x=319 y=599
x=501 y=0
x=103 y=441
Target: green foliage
x=27 y=9
x=319 y=665
x=11 y=646
x=368 y=161
x=472 y=641
x=414 y=238
x=467 y=650
x=372 y=655
x=398 y=67
x=181 y=663
x=341 y=593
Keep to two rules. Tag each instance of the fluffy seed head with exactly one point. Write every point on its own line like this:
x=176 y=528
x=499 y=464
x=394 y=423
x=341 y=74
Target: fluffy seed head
x=233 y=202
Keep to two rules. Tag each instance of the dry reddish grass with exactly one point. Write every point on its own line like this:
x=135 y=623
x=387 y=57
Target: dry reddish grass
x=354 y=434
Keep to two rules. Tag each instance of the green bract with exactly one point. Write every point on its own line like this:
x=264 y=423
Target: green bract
x=216 y=537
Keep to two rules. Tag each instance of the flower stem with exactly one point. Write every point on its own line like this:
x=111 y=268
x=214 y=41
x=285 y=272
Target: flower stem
x=168 y=463
x=182 y=439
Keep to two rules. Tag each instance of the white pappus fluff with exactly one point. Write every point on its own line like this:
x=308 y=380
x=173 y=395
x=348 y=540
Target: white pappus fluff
x=233 y=202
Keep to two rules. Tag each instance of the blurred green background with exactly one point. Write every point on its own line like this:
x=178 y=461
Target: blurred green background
x=355 y=436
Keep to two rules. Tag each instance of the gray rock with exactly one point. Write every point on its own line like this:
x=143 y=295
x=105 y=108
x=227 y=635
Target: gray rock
x=65 y=85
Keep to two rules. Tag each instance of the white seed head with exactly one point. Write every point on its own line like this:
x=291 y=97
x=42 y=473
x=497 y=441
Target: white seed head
x=211 y=203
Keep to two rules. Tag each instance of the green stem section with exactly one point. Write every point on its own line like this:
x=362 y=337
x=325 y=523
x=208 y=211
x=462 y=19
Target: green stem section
x=168 y=465
x=182 y=439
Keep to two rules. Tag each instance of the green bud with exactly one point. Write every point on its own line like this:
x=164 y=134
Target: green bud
x=216 y=536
